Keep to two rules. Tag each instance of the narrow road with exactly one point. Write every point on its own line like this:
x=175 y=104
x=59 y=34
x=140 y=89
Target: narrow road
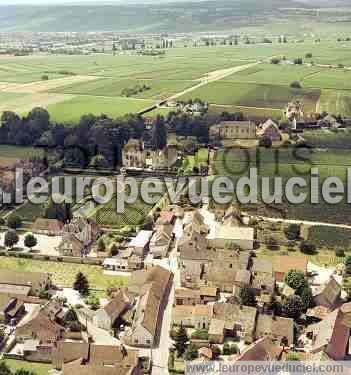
x=311 y=223
x=213 y=77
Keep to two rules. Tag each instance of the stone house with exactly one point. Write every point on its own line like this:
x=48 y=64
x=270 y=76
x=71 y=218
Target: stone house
x=279 y=329
x=78 y=237
x=86 y=358
x=11 y=309
x=161 y=241
x=270 y=130
x=24 y=283
x=328 y=295
x=49 y=227
x=239 y=320
x=231 y=130
x=264 y=349
x=140 y=244
x=223 y=235
x=331 y=335
x=283 y=264
x=216 y=332
x=184 y=296
x=152 y=286
x=197 y=316
x=107 y=316
x=133 y=155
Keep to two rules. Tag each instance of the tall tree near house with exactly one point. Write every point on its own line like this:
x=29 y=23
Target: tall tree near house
x=159 y=134
x=81 y=284
x=181 y=339
x=247 y=297
x=30 y=241
x=14 y=221
x=11 y=239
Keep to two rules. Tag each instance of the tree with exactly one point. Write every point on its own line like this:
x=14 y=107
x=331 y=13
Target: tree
x=30 y=241
x=59 y=211
x=295 y=279
x=70 y=316
x=81 y=284
x=216 y=351
x=296 y=85
x=307 y=247
x=14 y=221
x=298 y=61
x=114 y=250
x=11 y=239
x=44 y=77
x=275 y=60
x=247 y=297
x=191 y=353
x=159 y=134
x=99 y=162
x=272 y=244
x=306 y=297
x=4 y=369
x=348 y=265
x=292 y=232
x=101 y=245
x=292 y=307
x=23 y=371
x=309 y=55
x=181 y=339
x=93 y=302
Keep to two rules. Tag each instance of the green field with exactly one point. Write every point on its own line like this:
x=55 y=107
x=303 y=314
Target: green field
x=286 y=164
x=330 y=237
x=158 y=89
x=70 y=111
x=64 y=273
x=37 y=368
x=254 y=95
x=340 y=139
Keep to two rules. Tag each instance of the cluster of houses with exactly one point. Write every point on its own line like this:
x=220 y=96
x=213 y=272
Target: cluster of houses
x=213 y=277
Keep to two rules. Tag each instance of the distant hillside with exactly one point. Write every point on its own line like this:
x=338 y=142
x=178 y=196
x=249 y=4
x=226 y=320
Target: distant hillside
x=172 y=17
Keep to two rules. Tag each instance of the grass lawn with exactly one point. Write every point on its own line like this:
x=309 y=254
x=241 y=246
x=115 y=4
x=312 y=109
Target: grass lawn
x=70 y=111
x=37 y=368
x=64 y=273
x=330 y=237
x=336 y=102
x=284 y=163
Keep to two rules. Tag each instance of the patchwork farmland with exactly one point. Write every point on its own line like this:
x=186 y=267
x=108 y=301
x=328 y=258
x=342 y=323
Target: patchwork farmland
x=69 y=86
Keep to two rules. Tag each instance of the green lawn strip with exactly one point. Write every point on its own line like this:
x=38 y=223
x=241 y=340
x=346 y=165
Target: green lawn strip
x=37 y=368
x=64 y=273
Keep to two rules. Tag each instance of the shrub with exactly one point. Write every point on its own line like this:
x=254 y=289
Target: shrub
x=296 y=85
x=272 y=244
x=307 y=247
x=340 y=253
x=309 y=55
x=200 y=334
x=292 y=232
x=14 y=221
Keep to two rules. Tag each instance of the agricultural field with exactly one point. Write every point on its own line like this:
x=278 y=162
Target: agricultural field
x=155 y=89
x=70 y=111
x=254 y=96
x=95 y=83
x=330 y=237
x=286 y=164
x=339 y=139
x=64 y=273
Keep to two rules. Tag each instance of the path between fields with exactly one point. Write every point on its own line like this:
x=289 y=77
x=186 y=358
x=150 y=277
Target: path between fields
x=305 y=222
x=213 y=77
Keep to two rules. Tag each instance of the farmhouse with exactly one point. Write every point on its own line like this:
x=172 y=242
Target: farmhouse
x=152 y=287
x=86 y=358
x=106 y=316
x=78 y=237
x=140 y=244
x=230 y=130
x=24 y=282
x=283 y=264
x=223 y=235
x=269 y=129
x=49 y=227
